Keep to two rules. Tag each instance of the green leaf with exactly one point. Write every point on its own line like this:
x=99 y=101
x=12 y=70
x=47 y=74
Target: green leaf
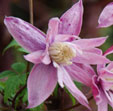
x=19 y=67
x=2 y=85
x=22 y=50
x=13 y=43
x=12 y=84
x=6 y=74
x=78 y=84
x=22 y=78
x=25 y=97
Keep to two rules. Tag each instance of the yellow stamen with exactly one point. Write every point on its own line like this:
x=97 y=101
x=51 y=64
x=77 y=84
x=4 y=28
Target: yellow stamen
x=61 y=53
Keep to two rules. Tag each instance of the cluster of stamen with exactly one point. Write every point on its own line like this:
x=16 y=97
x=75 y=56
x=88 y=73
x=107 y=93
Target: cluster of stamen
x=61 y=53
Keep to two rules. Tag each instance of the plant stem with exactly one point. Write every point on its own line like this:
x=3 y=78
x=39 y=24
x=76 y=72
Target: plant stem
x=31 y=11
x=14 y=99
x=76 y=105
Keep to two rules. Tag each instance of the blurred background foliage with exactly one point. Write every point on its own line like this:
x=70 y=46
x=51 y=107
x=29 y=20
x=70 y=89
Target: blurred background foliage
x=43 y=11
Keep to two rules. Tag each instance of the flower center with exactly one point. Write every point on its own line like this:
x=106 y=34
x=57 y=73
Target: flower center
x=61 y=53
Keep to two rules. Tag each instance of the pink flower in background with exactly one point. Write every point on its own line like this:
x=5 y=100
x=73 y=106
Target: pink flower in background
x=102 y=85
x=106 y=17
x=57 y=55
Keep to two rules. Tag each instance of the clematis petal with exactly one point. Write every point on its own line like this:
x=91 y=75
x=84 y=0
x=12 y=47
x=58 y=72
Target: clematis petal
x=52 y=29
x=60 y=77
x=28 y=36
x=90 y=43
x=110 y=66
x=94 y=50
x=99 y=67
x=41 y=83
x=73 y=89
x=109 y=95
x=64 y=37
x=46 y=59
x=99 y=95
x=106 y=17
x=103 y=106
x=108 y=51
x=106 y=75
x=71 y=21
x=35 y=57
x=91 y=58
x=81 y=73
x=96 y=90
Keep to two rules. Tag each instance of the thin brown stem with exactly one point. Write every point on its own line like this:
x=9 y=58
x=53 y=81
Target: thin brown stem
x=31 y=10
x=76 y=105
x=14 y=99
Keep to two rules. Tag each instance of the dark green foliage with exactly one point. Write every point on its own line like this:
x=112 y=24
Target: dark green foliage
x=12 y=84
x=6 y=74
x=19 y=67
x=15 y=78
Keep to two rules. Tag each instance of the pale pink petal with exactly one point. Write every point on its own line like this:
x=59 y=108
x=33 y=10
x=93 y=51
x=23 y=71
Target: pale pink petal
x=60 y=76
x=64 y=37
x=52 y=29
x=108 y=51
x=91 y=58
x=109 y=95
x=110 y=66
x=35 y=57
x=99 y=67
x=99 y=95
x=106 y=17
x=94 y=50
x=73 y=89
x=103 y=106
x=107 y=84
x=71 y=20
x=41 y=83
x=46 y=59
x=81 y=72
x=106 y=77
x=28 y=36
x=90 y=43
x=96 y=90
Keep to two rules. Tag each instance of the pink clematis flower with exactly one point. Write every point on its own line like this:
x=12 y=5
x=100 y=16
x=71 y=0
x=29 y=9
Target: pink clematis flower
x=106 y=17
x=102 y=84
x=56 y=53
